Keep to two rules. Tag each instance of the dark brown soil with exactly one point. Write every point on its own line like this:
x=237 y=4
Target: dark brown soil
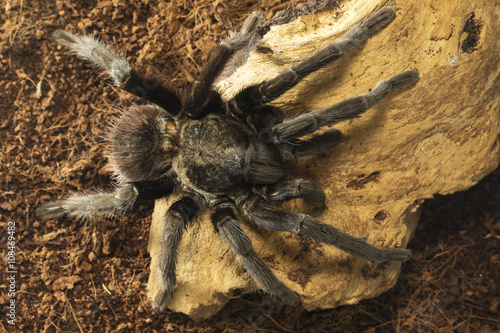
x=92 y=278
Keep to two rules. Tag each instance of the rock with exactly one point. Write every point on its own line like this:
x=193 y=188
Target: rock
x=437 y=137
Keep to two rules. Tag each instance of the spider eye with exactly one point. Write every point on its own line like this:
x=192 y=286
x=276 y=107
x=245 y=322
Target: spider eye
x=170 y=126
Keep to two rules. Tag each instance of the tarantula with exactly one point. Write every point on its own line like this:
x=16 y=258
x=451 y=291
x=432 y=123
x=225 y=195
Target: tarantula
x=215 y=154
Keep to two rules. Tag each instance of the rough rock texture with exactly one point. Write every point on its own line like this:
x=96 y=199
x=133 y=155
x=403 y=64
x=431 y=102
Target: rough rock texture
x=440 y=136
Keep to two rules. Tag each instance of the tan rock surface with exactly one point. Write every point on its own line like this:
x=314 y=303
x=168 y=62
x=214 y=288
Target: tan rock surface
x=440 y=136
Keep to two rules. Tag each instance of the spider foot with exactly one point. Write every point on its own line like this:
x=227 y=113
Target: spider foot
x=394 y=255
x=52 y=210
x=379 y=20
x=161 y=298
x=287 y=296
x=401 y=80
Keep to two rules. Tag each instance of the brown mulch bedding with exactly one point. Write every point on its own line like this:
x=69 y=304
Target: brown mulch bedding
x=92 y=278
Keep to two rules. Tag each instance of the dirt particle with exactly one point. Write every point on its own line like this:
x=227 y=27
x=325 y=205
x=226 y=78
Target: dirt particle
x=299 y=276
x=361 y=182
x=380 y=217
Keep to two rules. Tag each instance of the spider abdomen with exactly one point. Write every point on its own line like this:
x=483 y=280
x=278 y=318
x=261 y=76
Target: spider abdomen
x=212 y=152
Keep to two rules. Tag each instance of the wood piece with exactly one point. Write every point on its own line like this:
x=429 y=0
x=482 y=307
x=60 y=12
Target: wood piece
x=440 y=136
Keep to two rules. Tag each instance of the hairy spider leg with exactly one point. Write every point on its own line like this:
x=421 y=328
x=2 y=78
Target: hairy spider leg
x=308 y=123
x=84 y=206
x=304 y=225
x=119 y=69
x=256 y=95
x=226 y=223
x=177 y=217
x=202 y=99
x=104 y=203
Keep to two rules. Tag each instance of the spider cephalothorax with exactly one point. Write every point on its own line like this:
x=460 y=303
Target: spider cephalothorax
x=226 y=156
